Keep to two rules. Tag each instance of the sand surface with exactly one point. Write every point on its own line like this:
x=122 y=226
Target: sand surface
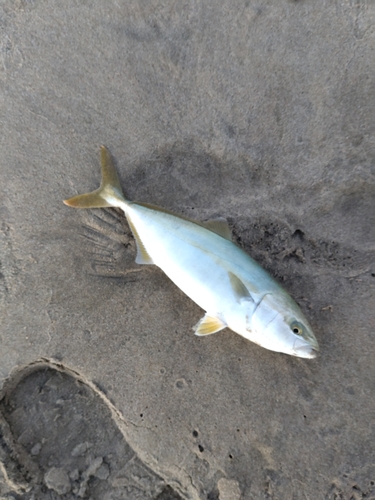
x=258 y=111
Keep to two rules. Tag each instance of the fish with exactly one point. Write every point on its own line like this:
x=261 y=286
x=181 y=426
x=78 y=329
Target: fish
x=233 y=290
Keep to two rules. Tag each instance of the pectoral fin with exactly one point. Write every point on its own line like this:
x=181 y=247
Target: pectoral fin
x=239 y=289
x=208 y=324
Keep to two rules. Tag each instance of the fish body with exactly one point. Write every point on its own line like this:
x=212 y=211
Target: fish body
x=208 y=267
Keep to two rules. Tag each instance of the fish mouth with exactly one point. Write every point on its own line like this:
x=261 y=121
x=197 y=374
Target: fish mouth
x=305 y=350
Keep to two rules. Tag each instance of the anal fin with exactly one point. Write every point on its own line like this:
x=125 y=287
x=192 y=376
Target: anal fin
x=208 y=324
x=143 y=257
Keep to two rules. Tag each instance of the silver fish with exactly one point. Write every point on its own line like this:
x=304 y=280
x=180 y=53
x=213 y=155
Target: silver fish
x=200 y=258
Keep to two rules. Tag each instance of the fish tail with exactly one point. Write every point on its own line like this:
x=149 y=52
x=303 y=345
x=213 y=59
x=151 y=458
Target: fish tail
x=109 y=194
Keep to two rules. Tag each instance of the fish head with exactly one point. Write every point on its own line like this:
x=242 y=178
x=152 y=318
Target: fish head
x=278 y=324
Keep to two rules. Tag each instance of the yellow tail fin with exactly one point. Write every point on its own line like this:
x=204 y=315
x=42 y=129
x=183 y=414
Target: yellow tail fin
x=109 y=192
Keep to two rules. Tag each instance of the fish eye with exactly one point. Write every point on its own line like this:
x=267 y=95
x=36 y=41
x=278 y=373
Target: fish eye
x=296 y=328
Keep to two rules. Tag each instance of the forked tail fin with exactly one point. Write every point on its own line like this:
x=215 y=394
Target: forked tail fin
x=109 y=194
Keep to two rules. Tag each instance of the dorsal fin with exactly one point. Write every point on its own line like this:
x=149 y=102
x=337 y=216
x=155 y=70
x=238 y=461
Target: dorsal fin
x=219 y=226
x=239 y=289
